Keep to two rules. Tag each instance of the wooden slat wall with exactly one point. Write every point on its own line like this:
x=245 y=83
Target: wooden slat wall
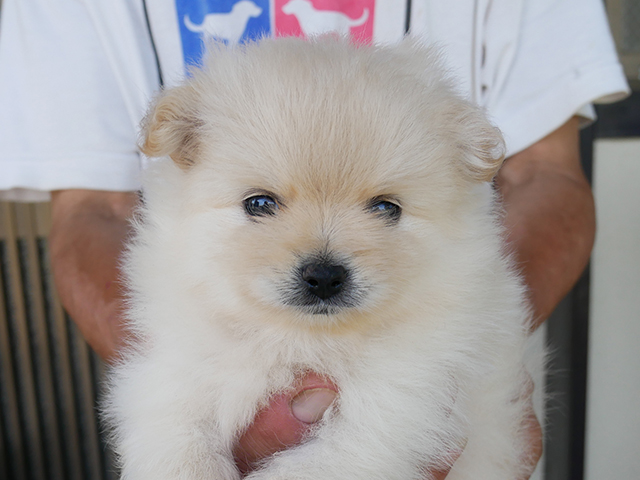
x=48 y=375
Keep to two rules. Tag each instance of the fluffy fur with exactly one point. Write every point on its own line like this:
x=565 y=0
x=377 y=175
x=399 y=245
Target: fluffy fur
x=425 y=342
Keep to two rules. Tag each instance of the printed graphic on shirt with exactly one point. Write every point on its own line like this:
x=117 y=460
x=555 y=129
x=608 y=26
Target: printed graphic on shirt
x=229 y=21
x=308 y=18
x=237 y=21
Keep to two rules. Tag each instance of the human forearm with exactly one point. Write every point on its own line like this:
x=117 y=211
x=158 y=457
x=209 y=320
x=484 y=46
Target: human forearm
x=88 y=233
x=550 y=216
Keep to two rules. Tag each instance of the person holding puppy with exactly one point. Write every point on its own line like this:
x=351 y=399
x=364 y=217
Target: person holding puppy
x=74 y=134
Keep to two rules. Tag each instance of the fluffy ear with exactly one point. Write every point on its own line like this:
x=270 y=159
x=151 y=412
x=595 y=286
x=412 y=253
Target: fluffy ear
x=483 y=146
x=171 y=127
x=481 y=143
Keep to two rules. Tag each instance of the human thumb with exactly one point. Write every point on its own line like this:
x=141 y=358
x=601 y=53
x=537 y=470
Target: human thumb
x=285 y=421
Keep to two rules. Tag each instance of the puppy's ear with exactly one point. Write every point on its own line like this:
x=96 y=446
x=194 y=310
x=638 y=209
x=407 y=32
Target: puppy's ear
x=482 y=145
x=171 y=127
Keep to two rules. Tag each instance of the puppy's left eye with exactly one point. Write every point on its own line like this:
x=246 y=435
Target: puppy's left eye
x=385 y=208
x=261 y=206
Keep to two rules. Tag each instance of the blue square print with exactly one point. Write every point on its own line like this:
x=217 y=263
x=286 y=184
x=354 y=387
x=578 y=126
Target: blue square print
x=229 y=21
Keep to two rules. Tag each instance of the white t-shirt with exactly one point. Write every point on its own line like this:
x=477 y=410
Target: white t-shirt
x=76 y=75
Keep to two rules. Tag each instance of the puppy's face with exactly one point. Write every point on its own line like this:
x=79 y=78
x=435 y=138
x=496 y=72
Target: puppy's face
x=318 y=183
x=315 y=260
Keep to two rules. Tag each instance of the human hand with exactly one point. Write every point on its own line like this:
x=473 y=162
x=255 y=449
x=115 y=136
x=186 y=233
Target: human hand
x=532 y=430
x=286 y=421
x=289 y=417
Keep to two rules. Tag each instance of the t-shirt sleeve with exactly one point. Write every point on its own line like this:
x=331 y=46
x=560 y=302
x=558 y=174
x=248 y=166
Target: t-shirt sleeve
x=561 y=62
x=63 y=118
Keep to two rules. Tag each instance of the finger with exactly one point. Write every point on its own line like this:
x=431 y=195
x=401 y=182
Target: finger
x=441 y=472
x=309 y=406
x=529 y=387
x=285 y=421
x=533 y=433
x=531 y=429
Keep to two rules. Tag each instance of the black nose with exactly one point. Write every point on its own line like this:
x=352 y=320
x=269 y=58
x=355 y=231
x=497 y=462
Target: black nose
x=323 y=280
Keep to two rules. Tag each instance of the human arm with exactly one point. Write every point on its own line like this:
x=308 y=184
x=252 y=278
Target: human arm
x=89 y=228
x=549 y=216
x=550 y=227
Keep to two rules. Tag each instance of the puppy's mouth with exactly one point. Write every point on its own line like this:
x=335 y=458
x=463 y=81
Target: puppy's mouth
x=320 y=286
x=321 y=309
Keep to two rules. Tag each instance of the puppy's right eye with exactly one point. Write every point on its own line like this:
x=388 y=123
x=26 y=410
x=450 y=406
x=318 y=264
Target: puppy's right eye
x=386 y=209
x=261 y=206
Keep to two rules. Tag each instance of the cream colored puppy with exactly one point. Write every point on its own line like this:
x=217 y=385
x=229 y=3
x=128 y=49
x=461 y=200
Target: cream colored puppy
x=326 y=208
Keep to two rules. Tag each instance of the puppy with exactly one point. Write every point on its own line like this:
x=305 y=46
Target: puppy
x=326 y=208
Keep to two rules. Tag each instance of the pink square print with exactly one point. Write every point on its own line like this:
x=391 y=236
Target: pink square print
x=316 y=17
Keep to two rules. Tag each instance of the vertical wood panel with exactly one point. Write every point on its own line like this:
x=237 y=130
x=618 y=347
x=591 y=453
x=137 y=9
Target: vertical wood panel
x=14 y=458
x=48 y=375
x=39 y=336
x=67 y=412
x=85 y=398
x=19 y=333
